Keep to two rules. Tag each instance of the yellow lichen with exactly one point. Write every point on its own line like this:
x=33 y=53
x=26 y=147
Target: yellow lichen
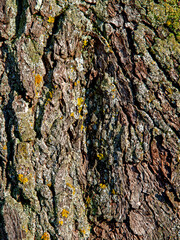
x=5 y=147
x=38 y=79
x=72 y=69
x=103 y=186
x=45 y=236
x=170 y=91
x=61 y=222
x=113 y=192
x=80 y=101
x=25 y=228
x=100 y=156
x=88 y=200
x=168 y=23
x=50 y=94
x=80 y=109
x=22 y=179
x=51 y=19
x=65 y=213
x=82 y=127
x=85 y=43
x=72 y=115
x=82 y=231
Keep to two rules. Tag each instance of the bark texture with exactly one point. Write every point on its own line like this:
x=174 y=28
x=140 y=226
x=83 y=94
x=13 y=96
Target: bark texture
x=89 y=125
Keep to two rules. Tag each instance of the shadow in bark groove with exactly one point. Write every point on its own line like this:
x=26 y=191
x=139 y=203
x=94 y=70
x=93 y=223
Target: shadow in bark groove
x=11 y=122
x=22 y=5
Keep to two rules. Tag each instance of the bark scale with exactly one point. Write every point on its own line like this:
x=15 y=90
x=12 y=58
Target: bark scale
x=89 y=119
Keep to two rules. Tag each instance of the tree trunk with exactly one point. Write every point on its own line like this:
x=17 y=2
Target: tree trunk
x=89 y=119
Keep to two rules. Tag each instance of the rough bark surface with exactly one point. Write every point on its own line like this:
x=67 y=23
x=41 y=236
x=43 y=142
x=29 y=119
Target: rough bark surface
x=89 y=119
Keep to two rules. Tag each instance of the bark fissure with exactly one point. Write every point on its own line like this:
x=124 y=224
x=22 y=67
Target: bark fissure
x=89 y=126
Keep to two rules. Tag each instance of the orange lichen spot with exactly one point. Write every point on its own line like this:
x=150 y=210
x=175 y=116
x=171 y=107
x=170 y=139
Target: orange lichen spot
x=80 y=117
x=50 y=7
x=72 y=114
x=100 y=156
x=78 y=82
x=65 y=213
x=61 y=222
x=51 y=19
x=82 y=127
x=80 y=101
x=113 y=192
x=38 y=79
x=75 y=84
x=22 y=179
x=49 y=184
x=5 y=147
x=82 y=231
x=103 y=186
x=61 y=117
x=45 y=236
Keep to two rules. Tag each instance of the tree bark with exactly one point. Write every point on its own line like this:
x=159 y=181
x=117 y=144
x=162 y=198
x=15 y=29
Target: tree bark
x=89 y=121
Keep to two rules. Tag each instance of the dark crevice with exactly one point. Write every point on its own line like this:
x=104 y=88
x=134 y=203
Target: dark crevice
x=22 y=5
x=38 y=120
x=71 y=136
x=13 y=73
x=54 y=223
x=156 y=1
x=23 y=199
x=39 y=198
x=11 y=122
